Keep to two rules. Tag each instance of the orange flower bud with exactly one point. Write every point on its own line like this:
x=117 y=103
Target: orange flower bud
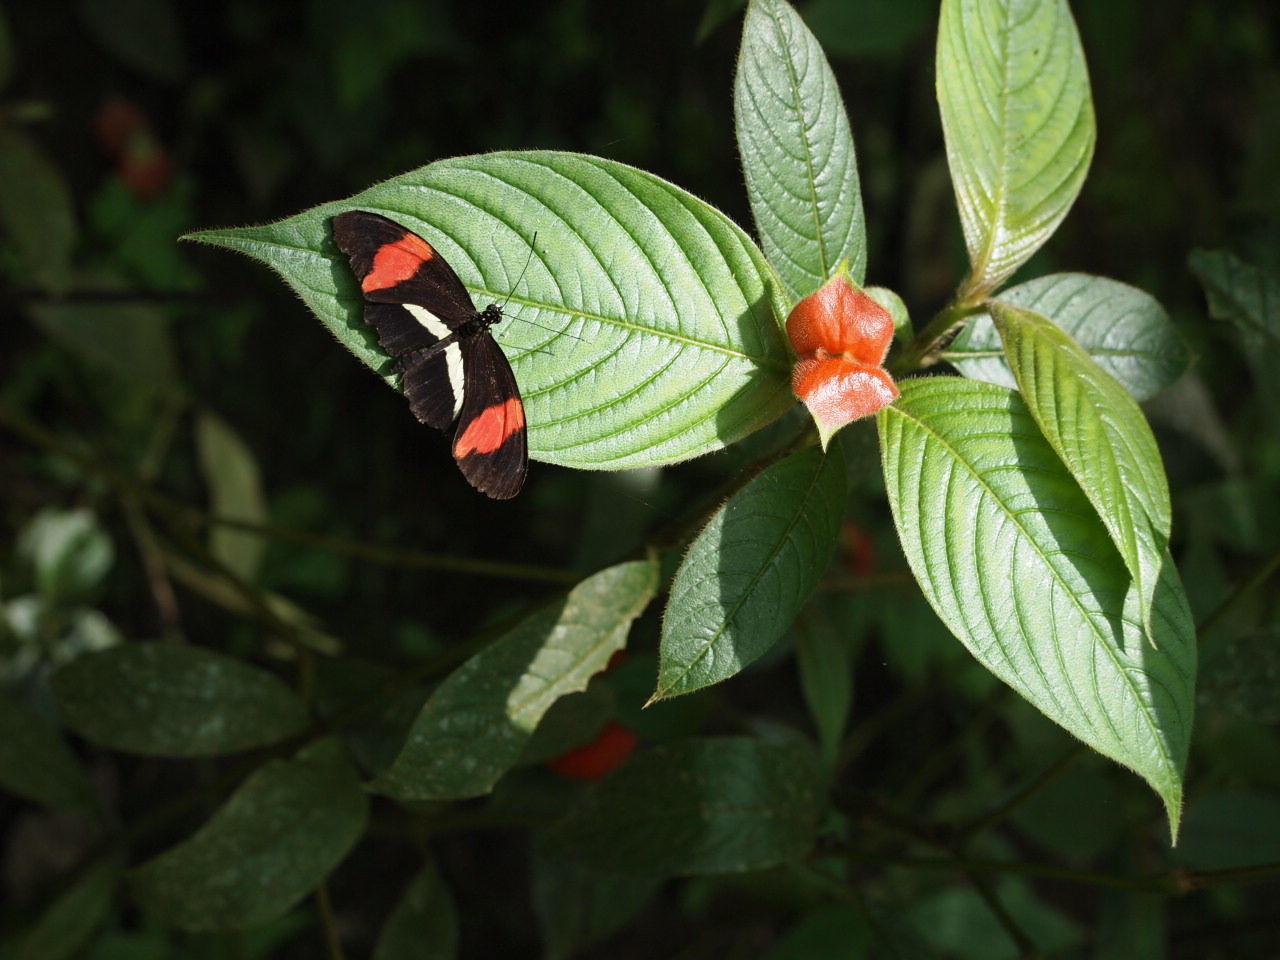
x=840 y=336
x=597 y=759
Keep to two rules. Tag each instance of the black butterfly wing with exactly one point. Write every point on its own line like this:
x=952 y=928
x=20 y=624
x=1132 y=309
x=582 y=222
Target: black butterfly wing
x=395 y=265
x=491 y=443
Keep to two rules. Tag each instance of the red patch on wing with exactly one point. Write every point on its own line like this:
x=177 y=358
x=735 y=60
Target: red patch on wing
x=490 y=430
x=396 y=262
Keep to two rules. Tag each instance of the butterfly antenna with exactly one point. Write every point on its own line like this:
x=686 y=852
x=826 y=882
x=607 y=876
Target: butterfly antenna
x=527 y=260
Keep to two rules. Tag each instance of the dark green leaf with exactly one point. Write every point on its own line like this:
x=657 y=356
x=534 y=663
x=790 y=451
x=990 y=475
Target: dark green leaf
x=36 y=763
x=172 y=700
x=131 y=340
x=36 y=211
x=143 y=34
x=1241 y=676
x=65 y=925
x=959 y=923
x=1015 y=561
x=1229 y=829
x=644 y=330
x=797 y=151
x=869 y=28
x=573 y=720
x=1099 y=432
x=1018 y=118
x=578 y=906
x=274 y=840
x=69 y=552
x=479 y=719
x=708 y=805
x=836 y=933
x=1241 y=294
x=825 y=661
x=1123 y=328
x=423 y=925
x=750 y=570
x=235 y=493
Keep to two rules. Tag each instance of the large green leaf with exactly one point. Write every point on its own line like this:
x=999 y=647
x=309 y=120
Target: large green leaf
x=476 y=724
x=703 y=805
x=174 y=700
x=1099 y=431
x=1018 y=120
x=643 y=331
x=578 y=906
x=750 y=570
x=423 y=925
x=1015 y=561
x=1241 y=294
x=797 y=151
x=274 y=840
x=36 y=763
x=1123 y=328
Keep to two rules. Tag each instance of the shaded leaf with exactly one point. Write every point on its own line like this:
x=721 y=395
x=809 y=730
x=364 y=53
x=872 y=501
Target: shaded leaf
x=1015 y=561
x=474 y=727
x=423 y=925
x=643 y=332
x=825 y=661
x=1101 y=435
x=1231 y=828
x=1241 y=294
x=578 y=906
x=235 y=493
x=749 y=571
x=797 y=151
x=143 y=34
x=172 y=700
x=69 y=552
x=131 y=340
x=274 y=840
x=1124 y=329
x=68 y=922
x=702 y=805
x=1018 y=120
x=36 y=211
x=36 y=763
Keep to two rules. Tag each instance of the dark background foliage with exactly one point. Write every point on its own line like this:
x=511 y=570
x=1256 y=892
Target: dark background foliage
x=260 y=109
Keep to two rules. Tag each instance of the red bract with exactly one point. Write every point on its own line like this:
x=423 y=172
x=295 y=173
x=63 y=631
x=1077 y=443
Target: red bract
x=599 y=758
x=840 y=336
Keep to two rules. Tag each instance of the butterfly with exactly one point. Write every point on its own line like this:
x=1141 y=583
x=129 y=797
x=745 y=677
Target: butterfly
x=451 y=368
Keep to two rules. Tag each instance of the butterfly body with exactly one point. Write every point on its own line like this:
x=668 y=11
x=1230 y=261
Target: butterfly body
x=451 y=368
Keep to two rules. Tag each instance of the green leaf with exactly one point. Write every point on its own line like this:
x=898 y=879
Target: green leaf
x=1230 y=829
x=142 y=34
x=69 y=552
x=1124 y=329
x=643 y=332
x=896 y=309
x=423 y=925
x=68 y=922
x=1241 y=294
x=578 y=906
x=1099 y=431
x=702 y=805
x=750 y=570
x=1015 y=561
x=1018 y=120
x=235 y=493
x=131 y=340
x=273 y=842
x=797 y=151
x=869 y=28
x=825 y=661
x=172 y=700
x=832 y=933
x=36 y=211
x=36 y=763
x=479 y=719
